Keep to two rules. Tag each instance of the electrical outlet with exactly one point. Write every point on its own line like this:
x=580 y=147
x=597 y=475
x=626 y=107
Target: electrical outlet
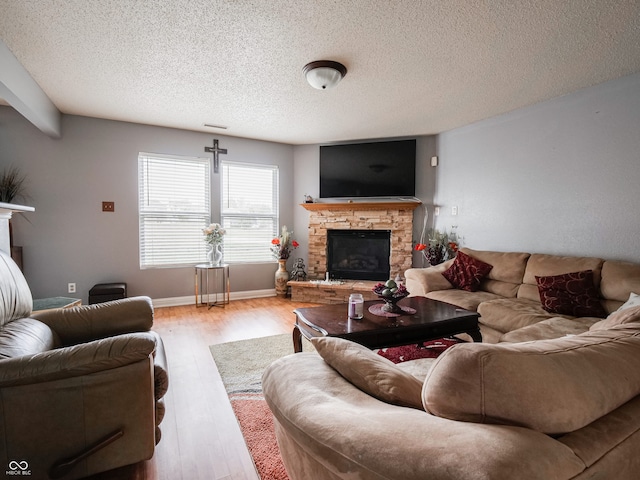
x=108 y=207
x=454 y=210
x=71 y=288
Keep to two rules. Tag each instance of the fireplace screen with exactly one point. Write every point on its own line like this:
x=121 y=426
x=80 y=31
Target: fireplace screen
x=358 y=254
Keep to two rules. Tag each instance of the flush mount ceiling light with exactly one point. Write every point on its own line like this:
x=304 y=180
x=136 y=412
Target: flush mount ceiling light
x=324 y=74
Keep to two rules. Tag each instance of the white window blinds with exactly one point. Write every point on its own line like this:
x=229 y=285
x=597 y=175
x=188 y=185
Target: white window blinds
x=249 y=211
x=174 y=207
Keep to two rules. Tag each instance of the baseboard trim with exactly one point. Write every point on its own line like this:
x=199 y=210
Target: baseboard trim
x=190 y=299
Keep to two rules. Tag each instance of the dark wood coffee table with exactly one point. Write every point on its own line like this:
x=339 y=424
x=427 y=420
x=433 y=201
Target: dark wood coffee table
x=433 y=319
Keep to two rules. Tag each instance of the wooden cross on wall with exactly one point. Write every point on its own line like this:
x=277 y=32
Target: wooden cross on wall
x=215 y=150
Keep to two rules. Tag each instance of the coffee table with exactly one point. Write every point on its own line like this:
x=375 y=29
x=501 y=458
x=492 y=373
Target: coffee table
x=433 y=319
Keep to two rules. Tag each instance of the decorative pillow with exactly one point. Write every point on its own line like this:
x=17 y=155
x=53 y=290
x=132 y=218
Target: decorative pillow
x=466 y=272
x=370 y=372
x=570 y=294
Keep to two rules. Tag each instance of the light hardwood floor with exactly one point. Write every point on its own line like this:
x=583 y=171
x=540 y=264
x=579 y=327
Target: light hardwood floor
x=201 y=439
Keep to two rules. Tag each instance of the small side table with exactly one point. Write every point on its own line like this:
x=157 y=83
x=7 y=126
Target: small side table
x=204 y=293
x=42 y=304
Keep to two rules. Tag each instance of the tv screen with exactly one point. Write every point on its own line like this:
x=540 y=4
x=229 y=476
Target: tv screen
x=377 y=169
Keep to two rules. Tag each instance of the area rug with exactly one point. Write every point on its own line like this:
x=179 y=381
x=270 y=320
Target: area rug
x=241 y=365
x=430 y=349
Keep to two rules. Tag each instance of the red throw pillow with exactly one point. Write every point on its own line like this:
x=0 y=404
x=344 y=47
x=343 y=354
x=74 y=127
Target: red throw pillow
x=570 y=294
x=466 y=272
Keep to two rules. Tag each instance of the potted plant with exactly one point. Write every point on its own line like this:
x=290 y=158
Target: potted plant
x=442 y=246
x=12 y=185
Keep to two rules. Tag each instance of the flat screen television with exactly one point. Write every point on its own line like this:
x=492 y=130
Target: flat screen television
x=376 y=169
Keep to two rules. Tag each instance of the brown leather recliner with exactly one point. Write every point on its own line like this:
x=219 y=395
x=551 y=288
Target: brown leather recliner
x=80 y=388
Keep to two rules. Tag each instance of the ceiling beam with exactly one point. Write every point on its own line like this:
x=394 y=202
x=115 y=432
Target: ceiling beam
x=22 y=92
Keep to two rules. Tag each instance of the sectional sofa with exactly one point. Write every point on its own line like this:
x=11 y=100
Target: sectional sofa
x=508 y=298
x=563 y=405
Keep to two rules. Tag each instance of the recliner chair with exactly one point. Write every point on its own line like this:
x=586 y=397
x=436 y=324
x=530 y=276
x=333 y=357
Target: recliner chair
x=80 y=388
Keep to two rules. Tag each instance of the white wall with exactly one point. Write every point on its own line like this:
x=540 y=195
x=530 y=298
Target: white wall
x=560 y=177
x=69 y=239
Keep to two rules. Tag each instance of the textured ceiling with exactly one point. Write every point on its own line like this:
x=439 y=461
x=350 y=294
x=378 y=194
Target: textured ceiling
x=414 y=67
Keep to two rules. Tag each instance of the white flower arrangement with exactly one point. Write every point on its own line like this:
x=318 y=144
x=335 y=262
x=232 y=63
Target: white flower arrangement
x=213 y=234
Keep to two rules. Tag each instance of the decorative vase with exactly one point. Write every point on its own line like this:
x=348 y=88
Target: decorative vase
x=282 y=277
x=214 y=254
x=391 y=293
x=391 y=305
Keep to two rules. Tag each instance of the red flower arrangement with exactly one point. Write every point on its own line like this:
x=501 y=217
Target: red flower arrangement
x=282 y=246
x=441 y=247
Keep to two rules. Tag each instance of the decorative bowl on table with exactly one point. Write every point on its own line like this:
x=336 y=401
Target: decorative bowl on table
x=391 y=293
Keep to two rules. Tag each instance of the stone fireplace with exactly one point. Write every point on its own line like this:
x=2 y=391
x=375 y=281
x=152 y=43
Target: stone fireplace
x=395 y=217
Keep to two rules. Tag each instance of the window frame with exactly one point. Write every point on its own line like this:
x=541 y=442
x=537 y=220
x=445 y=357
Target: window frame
x=194 y=219
x=274 y=217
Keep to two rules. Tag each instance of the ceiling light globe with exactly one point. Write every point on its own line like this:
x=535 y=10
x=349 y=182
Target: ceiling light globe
x=324 y=74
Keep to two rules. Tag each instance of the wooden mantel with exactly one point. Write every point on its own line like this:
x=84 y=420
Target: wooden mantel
x=409 y=205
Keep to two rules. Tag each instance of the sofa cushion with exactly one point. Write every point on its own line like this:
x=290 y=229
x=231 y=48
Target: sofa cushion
x=420 y=281
x=552 y=386
x=506 y=275
x=466 y=272
x=633 y=301
x=570 y=294
x=462 y=298
x=507 y=314
x=370 y=372
x=554 y=327
x=540 y=265
x=619 y=279
x=26 y=336
x=620 y=317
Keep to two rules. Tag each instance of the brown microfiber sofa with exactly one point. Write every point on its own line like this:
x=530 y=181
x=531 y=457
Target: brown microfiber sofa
x=564 y=405
x=508 y=300
x=554 y=409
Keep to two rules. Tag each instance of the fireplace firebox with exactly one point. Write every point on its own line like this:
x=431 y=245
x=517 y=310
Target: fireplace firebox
x=358 y=254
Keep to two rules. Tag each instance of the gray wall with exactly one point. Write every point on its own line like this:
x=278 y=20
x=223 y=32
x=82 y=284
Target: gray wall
x=560 y=177
x=69 y=239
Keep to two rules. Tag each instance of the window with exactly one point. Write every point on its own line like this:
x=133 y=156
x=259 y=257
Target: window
x=174 y=207
x=249 y=211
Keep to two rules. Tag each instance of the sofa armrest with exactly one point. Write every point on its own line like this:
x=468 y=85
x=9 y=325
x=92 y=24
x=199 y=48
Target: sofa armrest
x=326 y=426
x=420 y=281
x=77 y=360
x=91 y=322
